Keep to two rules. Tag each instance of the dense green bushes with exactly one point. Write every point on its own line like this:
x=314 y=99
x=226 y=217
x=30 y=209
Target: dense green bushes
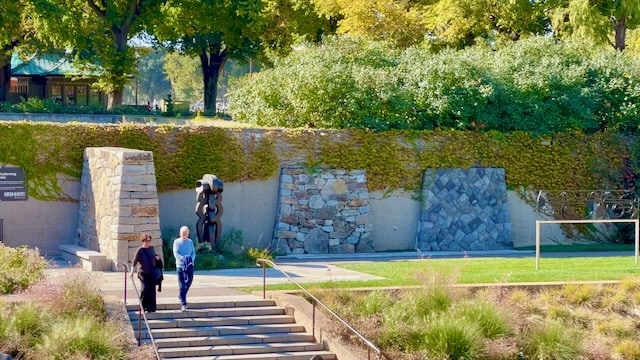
x=536 y=85
x=49 y=106
x=232 y=254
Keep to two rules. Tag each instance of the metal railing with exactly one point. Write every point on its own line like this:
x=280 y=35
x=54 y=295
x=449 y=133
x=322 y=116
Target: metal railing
x=141 y=314
x=368 y=343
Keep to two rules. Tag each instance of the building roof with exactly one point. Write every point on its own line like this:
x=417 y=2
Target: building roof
x=45 y=64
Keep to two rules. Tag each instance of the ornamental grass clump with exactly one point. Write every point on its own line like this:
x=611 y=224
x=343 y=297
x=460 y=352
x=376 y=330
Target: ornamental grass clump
x=490 y=321
x=80 y=337
x=61 y=317
x=441 y=321
x=552 y=341
x=451 y=338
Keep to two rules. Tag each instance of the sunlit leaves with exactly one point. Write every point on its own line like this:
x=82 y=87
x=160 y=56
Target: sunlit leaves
x=534 y=85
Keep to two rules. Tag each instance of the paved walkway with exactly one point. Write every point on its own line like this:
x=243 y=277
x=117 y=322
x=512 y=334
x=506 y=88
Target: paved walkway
x=221 y=282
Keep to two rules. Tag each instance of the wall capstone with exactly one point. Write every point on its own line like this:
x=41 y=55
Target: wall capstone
x=323 y=213
x=118 y=202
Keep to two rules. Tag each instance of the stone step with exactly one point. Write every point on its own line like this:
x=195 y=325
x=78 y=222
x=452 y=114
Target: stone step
x=240 y=349
x=89 y=259
x=302 y=355
x=253 y=302
x=225 y=330
x=234 y=339
x=166 y=323
x=210 y=312
x=244 y=329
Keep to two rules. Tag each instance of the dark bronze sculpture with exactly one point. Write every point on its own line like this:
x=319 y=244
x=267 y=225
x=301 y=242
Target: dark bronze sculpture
x=209 y=210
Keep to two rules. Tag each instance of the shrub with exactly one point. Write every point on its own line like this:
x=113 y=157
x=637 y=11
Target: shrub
x=254 y=254
x=19 y=268
x=230 y=240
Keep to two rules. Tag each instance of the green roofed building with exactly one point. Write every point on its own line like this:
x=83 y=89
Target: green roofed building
x=52 y=76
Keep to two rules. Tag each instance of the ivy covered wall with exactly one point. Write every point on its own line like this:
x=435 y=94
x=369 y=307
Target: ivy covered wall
x=392 y=160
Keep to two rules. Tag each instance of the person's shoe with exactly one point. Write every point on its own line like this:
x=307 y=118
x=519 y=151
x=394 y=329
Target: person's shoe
x=183 y=308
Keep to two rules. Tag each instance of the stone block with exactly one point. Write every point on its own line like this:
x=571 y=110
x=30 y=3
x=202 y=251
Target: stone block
x=130 y=157
x=144 y=210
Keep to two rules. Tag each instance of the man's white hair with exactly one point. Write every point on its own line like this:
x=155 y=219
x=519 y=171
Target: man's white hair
x=184 y=230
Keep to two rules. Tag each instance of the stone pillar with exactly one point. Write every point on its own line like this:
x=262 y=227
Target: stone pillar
x=118 y=202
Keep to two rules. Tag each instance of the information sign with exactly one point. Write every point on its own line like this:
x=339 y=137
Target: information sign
x=12 y=185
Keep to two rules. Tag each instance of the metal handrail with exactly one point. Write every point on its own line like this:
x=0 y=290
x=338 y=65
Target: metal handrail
x=141 y=314
x=370 y=345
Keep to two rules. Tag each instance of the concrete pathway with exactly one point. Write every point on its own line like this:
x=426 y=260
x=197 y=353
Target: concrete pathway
x=219 y=282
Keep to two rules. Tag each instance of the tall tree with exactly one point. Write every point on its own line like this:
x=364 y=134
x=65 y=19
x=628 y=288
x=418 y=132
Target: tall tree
x=99 y=31
x=398 y=22
x=184 y=73
x=218 y=30
x=450 y=23
x=15 y=29
x=153 y=83
x=605 y=21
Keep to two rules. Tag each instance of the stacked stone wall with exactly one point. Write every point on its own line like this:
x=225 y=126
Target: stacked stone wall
x=464 y=210
x=118 y=202
x=324 y=212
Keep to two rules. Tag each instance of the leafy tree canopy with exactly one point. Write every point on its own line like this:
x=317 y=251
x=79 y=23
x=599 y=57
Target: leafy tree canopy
x=605 y=21
x=185 y=75
x=216 y=31
x=99 y=33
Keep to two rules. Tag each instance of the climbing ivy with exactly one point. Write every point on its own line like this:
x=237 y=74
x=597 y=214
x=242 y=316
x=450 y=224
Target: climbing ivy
x=393 y=159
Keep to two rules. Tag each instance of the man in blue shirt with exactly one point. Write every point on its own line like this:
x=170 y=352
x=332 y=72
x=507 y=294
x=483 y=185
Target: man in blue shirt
x=185 y=253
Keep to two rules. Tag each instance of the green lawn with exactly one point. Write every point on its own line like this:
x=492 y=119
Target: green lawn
x=492 y=270
x=485 y=270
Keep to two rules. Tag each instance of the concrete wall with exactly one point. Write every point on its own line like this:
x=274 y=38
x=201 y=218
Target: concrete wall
x=42 y=224
x=250 y=207
x=98 y=119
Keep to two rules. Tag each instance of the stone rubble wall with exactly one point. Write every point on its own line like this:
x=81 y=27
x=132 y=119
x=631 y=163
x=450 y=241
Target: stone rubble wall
x=118 y=202
x=464 y=210
x=324 y=212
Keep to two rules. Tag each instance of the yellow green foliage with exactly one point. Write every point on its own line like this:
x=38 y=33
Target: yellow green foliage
x=392 y=159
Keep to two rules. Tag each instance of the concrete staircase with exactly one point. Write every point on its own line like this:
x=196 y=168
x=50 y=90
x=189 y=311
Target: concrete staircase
x=229 y=330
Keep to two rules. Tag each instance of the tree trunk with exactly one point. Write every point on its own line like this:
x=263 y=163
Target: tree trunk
x=212 y=65
x=5 y=77
x=620 y=27
x=114 y=98
x=115 y=95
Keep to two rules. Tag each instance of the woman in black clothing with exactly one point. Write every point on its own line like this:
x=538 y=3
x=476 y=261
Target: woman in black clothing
x=146 y=256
